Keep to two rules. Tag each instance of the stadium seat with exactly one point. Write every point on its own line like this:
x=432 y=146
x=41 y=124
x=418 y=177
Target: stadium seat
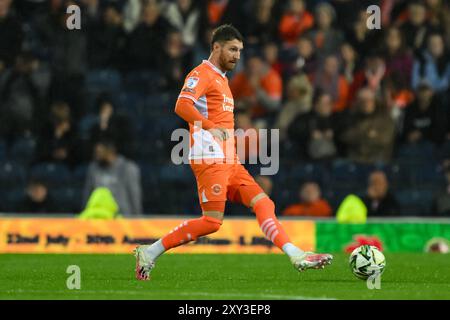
x=23 y=150
x=85 y=125
x=2 y=150
x=149 y=177
x=142 y=81
x=309 y=171
x=56 y=175
x=78 y=176
x=428 y=175
x=154 y=152
x=105 y=80
x=347 y=173
x=157 y=104
x=417 y=153
x=68 y=200
x=131 y=103
x=415 y=202
x=12 y=174
x=176 y=175
x=444 y=151
x=11 y=199
x=399 y=174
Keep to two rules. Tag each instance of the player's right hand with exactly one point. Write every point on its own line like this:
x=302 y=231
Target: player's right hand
x=219 y=133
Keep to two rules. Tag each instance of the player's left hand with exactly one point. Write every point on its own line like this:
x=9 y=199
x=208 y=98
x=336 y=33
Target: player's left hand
x=219 y=133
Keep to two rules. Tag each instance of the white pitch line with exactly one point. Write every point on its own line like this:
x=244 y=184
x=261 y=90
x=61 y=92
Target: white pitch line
x=209 y=294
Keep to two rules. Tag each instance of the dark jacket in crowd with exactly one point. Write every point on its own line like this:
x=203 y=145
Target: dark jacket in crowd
x=429 y=122
x=386 y=207
x=30 y=206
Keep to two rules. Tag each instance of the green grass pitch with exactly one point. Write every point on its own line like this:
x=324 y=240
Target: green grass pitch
x=226 y=277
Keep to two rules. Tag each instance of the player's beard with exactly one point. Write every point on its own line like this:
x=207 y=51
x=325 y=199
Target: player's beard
x=227 y=64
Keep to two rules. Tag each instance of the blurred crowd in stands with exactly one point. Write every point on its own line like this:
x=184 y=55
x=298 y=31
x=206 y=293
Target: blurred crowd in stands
x=360 y=111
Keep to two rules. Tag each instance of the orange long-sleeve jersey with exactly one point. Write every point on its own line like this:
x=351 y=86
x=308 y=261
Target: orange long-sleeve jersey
x=206 y=102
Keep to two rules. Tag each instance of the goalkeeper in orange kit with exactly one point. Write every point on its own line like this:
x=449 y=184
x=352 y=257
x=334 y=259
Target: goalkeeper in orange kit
x=207 y=104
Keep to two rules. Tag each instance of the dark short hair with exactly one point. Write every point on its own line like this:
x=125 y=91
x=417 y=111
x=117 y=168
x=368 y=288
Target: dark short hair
x=225 y=32
x=36 y=181
x=102 y=99
x=318 y=94
x=107 y=142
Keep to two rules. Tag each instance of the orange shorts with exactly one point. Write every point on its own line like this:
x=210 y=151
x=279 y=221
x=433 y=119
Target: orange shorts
x=222 y=182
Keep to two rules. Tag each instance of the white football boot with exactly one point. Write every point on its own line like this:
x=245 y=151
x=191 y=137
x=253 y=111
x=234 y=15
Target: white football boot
x=144 y=264
x=311 y=260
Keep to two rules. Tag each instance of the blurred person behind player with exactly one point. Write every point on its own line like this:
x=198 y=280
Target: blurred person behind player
x=207 y=104
x=310 y=202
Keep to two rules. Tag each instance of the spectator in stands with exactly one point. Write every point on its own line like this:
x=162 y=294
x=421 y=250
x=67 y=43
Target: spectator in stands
x=315 y=131
x=347 y=12
x=370 y=135
x=68 y=56
x=11 y=35
x=37 y=198
x=184 y=16
x=329 y=80
x=326 y=37
x=359 y=36
x=398 y=58
x=213 y=12
x=438 y=16
x=433 y=65
x=147 y=37
x=131 y=14
x=113 y=125
x=371 y=75
x=265 y=182
x=350 y=62
x=271 y=55
x=311 y=203
x=304 y=59
x=424 y=120
x=92 y=11
x=20 y=99
x=176 y=59
x=294 y=22
x=58 y=138
x=120 y=175
x=379 y=200
x=299 y=94
x=107 y=39
x=397 y=97
x=441 y=204
x=263 y=25
x=258 y=88
x=416 y=27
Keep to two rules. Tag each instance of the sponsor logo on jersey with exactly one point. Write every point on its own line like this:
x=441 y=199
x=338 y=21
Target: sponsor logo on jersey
x=228 y=103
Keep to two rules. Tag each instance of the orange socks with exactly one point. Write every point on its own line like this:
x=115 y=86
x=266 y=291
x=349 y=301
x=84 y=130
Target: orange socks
x=190 y=230
x=265 y=213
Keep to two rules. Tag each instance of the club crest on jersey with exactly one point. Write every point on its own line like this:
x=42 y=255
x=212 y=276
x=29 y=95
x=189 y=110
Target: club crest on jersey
x=216 y=189
x=192 y=82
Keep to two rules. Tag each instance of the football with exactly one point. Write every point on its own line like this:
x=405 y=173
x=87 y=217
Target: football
x=366 y=261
